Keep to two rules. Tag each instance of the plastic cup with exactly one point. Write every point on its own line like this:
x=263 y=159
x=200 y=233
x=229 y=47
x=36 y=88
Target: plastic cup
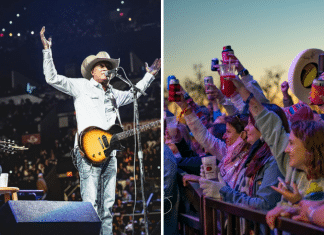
x=227 y=72
x=210 y=167
x=172 y=126
x=4 y=180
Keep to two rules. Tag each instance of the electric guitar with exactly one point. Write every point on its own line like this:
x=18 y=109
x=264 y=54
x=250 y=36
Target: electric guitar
x=96 y=144
x=10 y=146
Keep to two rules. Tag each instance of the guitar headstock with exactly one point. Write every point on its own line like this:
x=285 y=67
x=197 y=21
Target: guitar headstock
x=9 y=146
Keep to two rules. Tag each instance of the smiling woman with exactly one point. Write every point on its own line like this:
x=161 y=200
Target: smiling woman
x=306 y=148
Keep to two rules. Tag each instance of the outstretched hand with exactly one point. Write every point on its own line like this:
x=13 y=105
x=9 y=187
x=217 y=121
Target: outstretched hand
x=154 y=68
x=292 y=197
x=46 y=43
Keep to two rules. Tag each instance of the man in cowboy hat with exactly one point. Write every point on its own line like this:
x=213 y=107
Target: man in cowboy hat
x=96 y=103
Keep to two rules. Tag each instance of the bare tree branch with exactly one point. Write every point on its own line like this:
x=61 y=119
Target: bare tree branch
x=270 y=83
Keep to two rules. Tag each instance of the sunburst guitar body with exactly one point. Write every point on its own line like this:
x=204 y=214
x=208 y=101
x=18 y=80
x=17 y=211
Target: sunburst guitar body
x=97 y=144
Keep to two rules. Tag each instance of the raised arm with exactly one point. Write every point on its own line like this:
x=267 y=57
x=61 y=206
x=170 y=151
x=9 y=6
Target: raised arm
x=46 y=43
x=251 y=84
x=61 y=83
x=287 y=100
x=211 y=144
x=269 y=124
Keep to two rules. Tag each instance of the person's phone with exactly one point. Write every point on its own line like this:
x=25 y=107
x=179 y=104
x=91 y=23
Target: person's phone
x=288 y=187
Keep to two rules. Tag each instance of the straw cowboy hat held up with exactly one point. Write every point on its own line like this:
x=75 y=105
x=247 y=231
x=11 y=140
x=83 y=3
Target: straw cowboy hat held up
x=302 y=71
x=91 y=60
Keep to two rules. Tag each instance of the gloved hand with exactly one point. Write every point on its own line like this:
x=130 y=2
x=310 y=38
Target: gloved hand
x=211 y=188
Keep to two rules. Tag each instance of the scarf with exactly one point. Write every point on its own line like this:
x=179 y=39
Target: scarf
x=259 y=154
x=231 y=165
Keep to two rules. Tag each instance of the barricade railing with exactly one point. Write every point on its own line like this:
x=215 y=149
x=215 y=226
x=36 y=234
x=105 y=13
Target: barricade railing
x=190 y=224
x=219 y=217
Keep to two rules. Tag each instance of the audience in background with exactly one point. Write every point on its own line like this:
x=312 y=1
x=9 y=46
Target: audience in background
x=276 y=142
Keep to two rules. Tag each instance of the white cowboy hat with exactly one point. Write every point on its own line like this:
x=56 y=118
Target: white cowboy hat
x=302 y=72
x=91 y=60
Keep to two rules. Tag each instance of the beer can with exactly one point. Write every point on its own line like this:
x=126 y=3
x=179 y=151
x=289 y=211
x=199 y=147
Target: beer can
x=214 y=64
x=208 y=80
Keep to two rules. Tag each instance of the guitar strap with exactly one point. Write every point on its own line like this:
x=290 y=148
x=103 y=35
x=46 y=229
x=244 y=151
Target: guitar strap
x=114 y=103
x=118 y=116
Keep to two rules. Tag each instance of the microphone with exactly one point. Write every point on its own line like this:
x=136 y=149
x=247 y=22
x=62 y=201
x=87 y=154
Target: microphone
x=115 y=74
x=109 y=72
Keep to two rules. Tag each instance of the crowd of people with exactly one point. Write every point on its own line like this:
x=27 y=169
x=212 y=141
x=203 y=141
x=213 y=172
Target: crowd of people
x=268 y=157
x=23 y=118
x=125 y=188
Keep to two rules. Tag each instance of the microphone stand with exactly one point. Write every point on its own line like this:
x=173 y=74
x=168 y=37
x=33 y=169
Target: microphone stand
x=135 y=90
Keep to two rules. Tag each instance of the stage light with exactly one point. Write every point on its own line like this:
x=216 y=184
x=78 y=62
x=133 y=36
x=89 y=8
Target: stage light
x=1 y=35
x=122 y=2
x=32 y=32
x=121 y=13
x=118 y=9
x=10 y=34
x=3 y=29
x=129 y=19
x=18 y=15
x=18 y=34
x=10 y=22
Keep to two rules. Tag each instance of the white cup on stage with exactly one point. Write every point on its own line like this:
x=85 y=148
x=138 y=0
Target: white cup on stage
x=4 y=180
x=210 y=167
x=172 y=126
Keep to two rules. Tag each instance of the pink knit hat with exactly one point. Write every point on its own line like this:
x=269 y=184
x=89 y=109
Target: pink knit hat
x=305 y=113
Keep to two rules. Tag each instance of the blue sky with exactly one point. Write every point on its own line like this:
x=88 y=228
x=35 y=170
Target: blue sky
x=263 y=34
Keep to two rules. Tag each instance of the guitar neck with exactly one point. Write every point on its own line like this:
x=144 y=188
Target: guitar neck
x=10 y=147
x=131 y=132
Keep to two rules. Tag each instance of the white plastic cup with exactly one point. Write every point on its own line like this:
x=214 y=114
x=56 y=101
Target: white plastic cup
x=210 y=167
x=172 y=126
x=4 y=180
x=171 y=121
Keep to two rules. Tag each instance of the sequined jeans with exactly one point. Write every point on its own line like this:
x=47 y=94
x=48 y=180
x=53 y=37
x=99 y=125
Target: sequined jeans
x=97 y=185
